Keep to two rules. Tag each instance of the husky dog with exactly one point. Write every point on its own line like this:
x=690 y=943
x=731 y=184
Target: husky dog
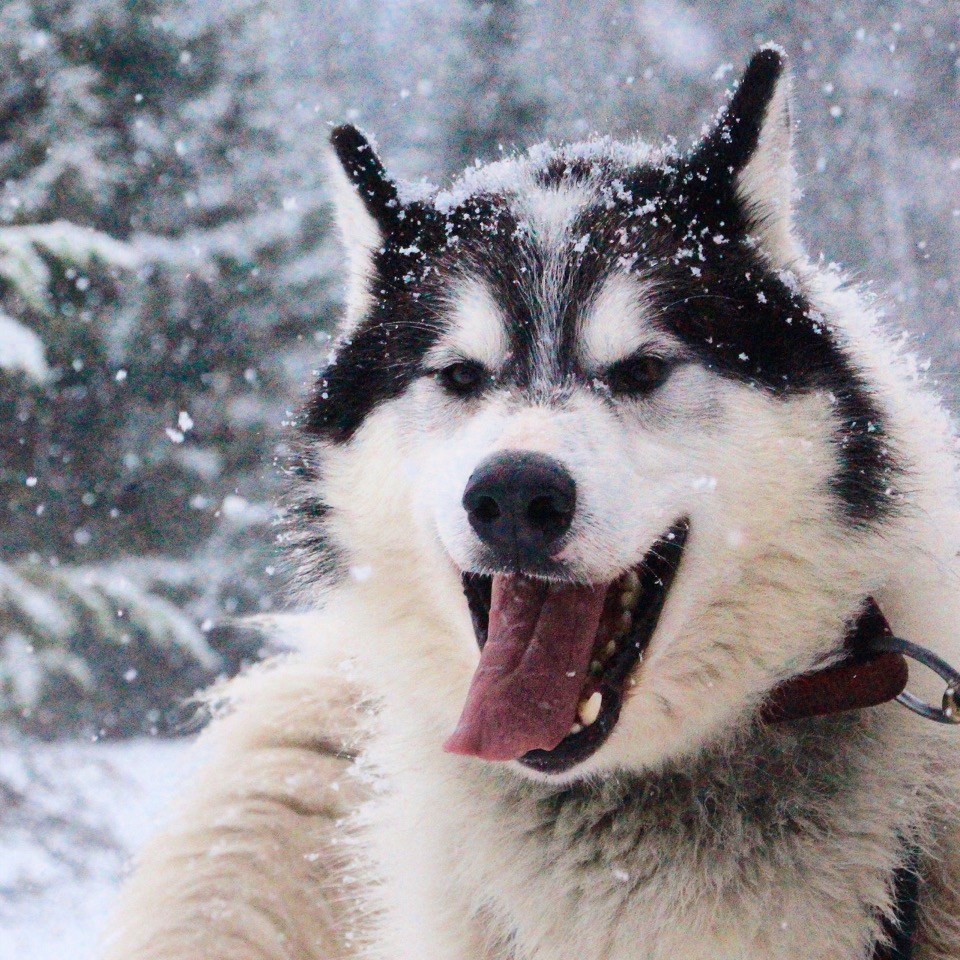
x=601 y=463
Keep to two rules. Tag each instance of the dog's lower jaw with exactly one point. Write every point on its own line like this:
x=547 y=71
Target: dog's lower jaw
x=777 y=843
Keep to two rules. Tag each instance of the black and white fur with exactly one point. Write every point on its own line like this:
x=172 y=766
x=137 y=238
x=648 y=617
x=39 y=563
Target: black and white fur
x=814 y=468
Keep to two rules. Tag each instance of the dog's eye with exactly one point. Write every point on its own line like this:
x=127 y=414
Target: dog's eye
x=638 y=375
x=464 y=378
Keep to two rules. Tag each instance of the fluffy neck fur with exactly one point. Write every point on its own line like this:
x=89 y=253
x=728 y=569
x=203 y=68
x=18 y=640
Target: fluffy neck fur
x=775 y=842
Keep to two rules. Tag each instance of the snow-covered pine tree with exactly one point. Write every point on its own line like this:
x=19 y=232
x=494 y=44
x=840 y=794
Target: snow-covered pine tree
x=80 y=648
x=149 y=437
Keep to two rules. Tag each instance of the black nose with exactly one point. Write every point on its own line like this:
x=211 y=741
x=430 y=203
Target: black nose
x=521 y=504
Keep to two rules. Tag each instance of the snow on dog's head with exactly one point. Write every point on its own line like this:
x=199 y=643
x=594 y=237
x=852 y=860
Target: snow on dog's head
x=592 y=437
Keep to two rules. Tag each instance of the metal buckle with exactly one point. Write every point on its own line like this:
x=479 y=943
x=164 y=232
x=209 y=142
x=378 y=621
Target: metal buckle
x=949 y=712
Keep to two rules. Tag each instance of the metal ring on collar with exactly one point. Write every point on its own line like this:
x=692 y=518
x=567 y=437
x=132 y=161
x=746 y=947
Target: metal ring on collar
x=949 y=712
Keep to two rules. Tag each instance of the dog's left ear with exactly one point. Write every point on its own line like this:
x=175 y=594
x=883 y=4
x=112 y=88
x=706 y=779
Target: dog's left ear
x=752 y=144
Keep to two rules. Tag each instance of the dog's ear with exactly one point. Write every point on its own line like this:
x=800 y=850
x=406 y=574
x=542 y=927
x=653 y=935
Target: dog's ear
x=751 y=146
x=367 y=208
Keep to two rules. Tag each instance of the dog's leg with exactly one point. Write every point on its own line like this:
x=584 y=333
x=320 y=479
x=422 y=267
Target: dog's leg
x=256 y=865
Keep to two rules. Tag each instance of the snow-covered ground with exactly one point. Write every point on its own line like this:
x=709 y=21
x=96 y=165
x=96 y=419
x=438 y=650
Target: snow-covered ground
x=123 y=790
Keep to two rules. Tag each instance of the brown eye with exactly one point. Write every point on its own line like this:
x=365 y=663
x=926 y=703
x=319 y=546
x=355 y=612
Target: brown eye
x=638 y=375
x=465 y=378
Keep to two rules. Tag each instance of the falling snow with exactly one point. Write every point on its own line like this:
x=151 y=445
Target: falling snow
x=169 y=276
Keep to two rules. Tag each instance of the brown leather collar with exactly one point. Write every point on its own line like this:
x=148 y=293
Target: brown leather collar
x=864 y=678
x=873 y=671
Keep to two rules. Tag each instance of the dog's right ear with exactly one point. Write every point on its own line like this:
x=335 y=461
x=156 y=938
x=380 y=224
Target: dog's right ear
x=367 y=208
x=750 y=148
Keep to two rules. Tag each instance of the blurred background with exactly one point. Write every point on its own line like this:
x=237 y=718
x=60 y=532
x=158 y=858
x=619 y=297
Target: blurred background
x=168 y=280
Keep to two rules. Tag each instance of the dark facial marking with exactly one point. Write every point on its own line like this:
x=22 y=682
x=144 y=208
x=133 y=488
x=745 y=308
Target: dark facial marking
x=692 y=242
x=378 y=360
x=712 y=289
x=680 y=227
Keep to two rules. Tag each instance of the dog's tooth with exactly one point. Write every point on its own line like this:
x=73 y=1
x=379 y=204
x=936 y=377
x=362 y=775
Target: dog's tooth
x=610 y=649
x=576 y=728
x=588 y=710
x=626 y=621
x=631 y=591
x=596 y=667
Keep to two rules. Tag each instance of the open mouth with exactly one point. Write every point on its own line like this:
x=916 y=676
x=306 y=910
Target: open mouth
x=557 y=659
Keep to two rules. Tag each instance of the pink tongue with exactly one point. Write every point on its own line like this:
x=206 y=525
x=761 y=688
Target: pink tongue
x=532 y=669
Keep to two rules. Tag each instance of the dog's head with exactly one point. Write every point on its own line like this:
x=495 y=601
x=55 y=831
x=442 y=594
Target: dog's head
x=589 y=442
